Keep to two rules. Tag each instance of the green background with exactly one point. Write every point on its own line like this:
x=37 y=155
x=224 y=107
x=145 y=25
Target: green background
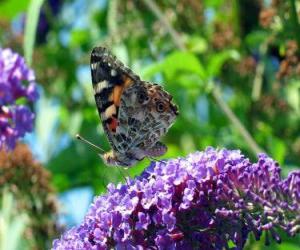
x=230 y=65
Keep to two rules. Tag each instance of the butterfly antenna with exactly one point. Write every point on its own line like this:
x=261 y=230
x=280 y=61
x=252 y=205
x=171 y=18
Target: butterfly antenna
x=79 y=137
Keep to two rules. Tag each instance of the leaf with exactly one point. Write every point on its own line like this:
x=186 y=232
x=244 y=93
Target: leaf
x=46 y=127
x=217 y=61
x=213 y=3
x=190 y=81
x=12 y=225
x=287 y=246
x=277 y=149
x=183 y=61
x=32 y=17
x=177 y=62
x=16 y=230
x=231 y=244
x=256 y=38
x=10 y=8
x=78 y=38
x=197 y=44
x=151 y=70
x=293 y=95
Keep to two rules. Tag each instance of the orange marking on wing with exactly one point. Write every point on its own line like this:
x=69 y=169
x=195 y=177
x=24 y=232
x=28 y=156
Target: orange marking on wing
x=118 y=90
x=111 y=97
x=127 y=82
x=112 y=126
x=116 y=98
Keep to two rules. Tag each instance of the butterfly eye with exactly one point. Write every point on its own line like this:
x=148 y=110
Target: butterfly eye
x=142 y=97
x=160 y=107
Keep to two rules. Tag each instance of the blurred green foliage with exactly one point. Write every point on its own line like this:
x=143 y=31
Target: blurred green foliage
x=13 y=225
x=28 y=219
x=232 y=66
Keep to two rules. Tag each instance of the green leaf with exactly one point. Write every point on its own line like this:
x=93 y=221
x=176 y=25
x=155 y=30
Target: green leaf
x=231 y=244
x=287 y=246
x=45 y=126
x=32 y=15
x=213 y=3
x=10 y=8
x=256 y=38
x=177 y=62
x=76 y=121
x=16 y=230
x=21 y=101
x=293 y=95
x=217 y=61
x=151 y=70
x=277 y=149
x=79 y=37
x=190 y=81
x=12 y=225
x=197 y=44
x=183 y=61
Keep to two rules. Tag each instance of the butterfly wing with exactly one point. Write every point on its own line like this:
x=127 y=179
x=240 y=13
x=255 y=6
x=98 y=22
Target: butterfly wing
x=110 y=78
x=146 y=113
x=134 y=113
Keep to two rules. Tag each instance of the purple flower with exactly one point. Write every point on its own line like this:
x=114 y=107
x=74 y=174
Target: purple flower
x=203 y=201
x=16 y=83
x=143 y=222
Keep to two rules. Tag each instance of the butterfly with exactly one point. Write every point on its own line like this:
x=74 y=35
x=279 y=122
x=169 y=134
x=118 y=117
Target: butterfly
x=134 y=113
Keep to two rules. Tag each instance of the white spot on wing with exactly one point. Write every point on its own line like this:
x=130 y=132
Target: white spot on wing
x=99 y=86
x=93 y=66
x=110 y=111
x=113 y=72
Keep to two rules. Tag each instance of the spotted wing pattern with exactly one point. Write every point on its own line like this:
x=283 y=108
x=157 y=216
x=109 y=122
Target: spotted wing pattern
x=146 y=113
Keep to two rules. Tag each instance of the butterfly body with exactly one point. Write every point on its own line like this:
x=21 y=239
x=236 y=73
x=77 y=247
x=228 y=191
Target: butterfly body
x=134 y=113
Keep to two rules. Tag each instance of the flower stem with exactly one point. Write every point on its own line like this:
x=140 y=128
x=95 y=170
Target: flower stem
x=295 y=21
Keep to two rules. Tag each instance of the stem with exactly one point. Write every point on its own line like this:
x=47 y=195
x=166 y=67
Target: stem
x=112 y=17
x=258 y=79
x=295 y=21
x=236 y=122
x=215 y=91
x=173 y=33
x=235 y=16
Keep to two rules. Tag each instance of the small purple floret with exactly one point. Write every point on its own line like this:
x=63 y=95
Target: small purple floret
x=16 y=83
x=204 y=201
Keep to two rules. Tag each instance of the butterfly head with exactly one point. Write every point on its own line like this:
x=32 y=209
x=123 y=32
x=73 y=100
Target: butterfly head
x=111 y=159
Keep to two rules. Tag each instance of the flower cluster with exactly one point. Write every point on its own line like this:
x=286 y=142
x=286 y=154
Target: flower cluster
x=203 y=201
x=16 y=86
